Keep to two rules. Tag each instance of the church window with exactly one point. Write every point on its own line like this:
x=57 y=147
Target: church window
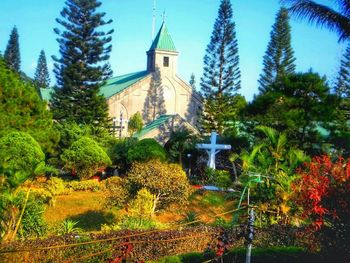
x=166 y=61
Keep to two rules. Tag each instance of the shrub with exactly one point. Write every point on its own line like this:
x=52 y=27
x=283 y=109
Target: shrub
x=85 y=156
x=118 y=152
x=19 y=151
x=33 y=223
x=323 y=193
x=117 y=193
x=168 y=182
x=87 y=185
x=145 y=150
x=143 y=205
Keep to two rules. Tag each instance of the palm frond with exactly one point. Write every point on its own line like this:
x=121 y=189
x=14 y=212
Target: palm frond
x=269 y=132
x=322 y=15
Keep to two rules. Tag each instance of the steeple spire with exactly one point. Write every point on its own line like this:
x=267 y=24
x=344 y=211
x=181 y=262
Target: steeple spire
x=163 y=40
x=162 y=53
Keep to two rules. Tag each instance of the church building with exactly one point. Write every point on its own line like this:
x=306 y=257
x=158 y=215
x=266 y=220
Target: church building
x=164 y=100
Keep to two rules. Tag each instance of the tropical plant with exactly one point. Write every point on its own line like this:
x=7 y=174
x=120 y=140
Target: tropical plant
x=190 y=217
x=168 y=182
x=337 y=20
x=85 y=156
x=268 y=170
x=178 y=143
x=68 y=227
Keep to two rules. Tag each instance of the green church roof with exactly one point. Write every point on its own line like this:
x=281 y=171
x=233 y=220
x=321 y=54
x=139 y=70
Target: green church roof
x=163 y=40
x=118 y=84
x=153 y=125
x=46 y=93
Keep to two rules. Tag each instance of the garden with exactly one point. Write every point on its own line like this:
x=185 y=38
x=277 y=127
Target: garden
x=260 y=181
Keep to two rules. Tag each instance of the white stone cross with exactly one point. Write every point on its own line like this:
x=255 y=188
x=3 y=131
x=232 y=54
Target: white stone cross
x=212 y=149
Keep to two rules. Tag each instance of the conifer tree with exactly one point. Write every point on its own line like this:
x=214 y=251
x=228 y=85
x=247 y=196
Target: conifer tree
x=12 y=55
x=342 y=88
x=41 y=76
x=193 y=81
x=221 y=77
x=279 y=57
x=83 y=64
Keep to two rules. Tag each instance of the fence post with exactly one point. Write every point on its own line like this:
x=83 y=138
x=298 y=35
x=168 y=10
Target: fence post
x=250 y=235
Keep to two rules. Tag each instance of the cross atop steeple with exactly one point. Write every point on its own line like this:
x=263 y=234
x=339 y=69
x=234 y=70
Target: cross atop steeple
x=163 y=16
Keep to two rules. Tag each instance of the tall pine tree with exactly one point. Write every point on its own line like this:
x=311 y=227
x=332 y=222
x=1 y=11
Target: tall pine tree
x=41 y=76
x=83 y=65
x=342 y=87
x=12 y=55
x=221 y=77
x=279 y=57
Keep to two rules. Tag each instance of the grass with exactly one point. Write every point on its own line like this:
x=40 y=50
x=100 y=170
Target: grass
x=83 y=206
x=88 y=208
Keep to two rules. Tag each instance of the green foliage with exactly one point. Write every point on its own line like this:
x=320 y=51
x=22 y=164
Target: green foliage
x=334 y=17
x=189 y=217
x=299 y=105
x=279 y=57
x=145 y=150
x=85 y=156
x=55 y=186
x=20 y=152
x=71 y=132
x=132 y=223
x=221 y=77
x=21 y=109
x=117 y=192
x=268 y=170
x=135 y=123
x=168 y=182
x=12 y=54
x=83 y=65
x=42 y=76
x=215 y=199
x=68 y=227
x=223 y=179
x=178 y=143
x=87 y=185
x=220 y=178
x=118 y=152
x=143 y=205
x=33 y=223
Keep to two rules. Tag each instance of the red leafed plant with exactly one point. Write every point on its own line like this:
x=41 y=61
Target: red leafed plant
x=323 y=194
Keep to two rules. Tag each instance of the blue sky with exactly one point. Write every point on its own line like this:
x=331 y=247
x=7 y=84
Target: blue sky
x=190 y=23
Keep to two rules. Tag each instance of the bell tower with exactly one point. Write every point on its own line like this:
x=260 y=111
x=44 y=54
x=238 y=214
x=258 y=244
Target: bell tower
x=162 y=53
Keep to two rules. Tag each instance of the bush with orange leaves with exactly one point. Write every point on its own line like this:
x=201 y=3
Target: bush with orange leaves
x=322 y=193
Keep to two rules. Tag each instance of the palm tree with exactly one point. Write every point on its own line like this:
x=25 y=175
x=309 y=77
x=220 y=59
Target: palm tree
x=337 y=20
